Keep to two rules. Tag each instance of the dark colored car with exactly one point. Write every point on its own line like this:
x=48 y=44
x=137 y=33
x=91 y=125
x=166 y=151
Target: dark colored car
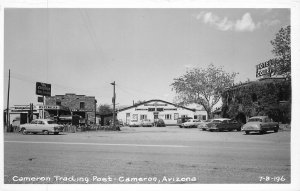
x=160 y=123
x=181 y=120
x=224 y=124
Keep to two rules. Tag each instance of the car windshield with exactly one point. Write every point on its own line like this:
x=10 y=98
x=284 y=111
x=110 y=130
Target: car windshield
x=51 y=122
x=255 y=119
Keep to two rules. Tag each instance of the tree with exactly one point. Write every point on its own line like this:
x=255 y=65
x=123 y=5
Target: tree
x=282 y=51
x=105 y=109
x=203 y=86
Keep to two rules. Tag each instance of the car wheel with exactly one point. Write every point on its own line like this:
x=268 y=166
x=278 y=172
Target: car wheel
x=24 y=132
x=46 y=132
x=56 y=133
x=276 y=130
x=247 y=132
x=211 y=130
x=261 y=132
x=238 y=129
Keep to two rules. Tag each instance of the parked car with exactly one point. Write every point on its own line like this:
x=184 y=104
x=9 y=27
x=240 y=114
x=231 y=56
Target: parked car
x=224 y=124
x=260 y=124
x=182 y=120
x=44 y=126
x=191 y=123
x=134 y=123
x=160 y=123
x=147 y=123
x=203 y=124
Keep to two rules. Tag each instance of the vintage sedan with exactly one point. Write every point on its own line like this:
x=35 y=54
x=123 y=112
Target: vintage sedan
x=44 y=126
x=147 y=123
x=203 y=125
x=224 y=124
x=134 y=123
x=260 y=124
x=191 y=123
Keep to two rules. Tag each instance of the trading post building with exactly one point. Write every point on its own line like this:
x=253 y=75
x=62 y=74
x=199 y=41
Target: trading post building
x=158 y=109
x=72 y=104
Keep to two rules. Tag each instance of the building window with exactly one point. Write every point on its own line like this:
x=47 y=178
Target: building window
x=168 y=116
x=58 y=102
x=135 y=117
x=176 y=115
x=143 y=117
x=204 y=117
x=159 y=109
x=82 y=105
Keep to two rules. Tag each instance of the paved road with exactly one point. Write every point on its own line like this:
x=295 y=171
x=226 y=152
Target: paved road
x=147 y=155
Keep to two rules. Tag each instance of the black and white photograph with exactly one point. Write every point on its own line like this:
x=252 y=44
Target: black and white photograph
x=148 y=95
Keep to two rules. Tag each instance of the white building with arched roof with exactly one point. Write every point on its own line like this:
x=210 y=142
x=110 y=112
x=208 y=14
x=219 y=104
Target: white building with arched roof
x=157 y=109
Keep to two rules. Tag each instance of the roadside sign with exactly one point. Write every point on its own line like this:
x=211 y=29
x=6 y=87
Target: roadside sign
x=43 y=89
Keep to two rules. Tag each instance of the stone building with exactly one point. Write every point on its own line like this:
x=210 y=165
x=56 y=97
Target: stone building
x=84 y=106
x=266 y=96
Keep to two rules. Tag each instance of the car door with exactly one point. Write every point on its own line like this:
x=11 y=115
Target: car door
x=223 y=125
x=40 y=126
x=32 y=126
x=264 y=124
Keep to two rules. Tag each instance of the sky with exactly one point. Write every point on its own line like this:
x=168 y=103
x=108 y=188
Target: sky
x=82 y=51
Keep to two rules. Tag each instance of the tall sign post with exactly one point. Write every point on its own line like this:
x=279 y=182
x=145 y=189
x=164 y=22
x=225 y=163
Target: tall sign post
x=7 y=111
x=114 y=105
x=43 y=89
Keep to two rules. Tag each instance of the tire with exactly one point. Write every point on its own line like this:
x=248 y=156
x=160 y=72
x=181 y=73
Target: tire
x=276 y=129
x=46 y=132
x=56 y=133
x=211 y=130
x=247 y=132
x=238 y=129
x=261 y=132
x=24 y=132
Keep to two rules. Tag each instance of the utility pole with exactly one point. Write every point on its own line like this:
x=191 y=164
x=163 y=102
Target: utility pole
x=114 y=105
x=7 y=111
x=95 y=112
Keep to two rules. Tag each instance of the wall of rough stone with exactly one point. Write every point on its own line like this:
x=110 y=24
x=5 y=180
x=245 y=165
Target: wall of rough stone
x=72 y=101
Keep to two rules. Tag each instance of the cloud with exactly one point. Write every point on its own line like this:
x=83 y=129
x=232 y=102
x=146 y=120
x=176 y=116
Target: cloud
x=246 y=23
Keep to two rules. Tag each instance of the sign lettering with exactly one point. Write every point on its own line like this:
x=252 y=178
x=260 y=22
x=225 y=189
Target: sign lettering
x=43 y=89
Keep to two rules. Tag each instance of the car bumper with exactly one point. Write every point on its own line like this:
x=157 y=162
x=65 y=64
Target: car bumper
x=250 y=128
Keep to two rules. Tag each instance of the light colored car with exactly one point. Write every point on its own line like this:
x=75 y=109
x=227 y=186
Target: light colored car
x=134 y=123
x=147 y=123
x=191 y=123
x=44 y=126
x=203 y=125
x=260 y=124
x=182 y=120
